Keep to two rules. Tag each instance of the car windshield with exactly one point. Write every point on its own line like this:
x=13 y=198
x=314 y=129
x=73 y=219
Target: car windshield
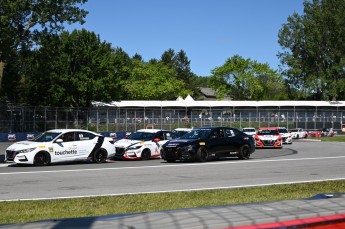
x=46 y=137
x=180 y=132
x=268 y=132
x=142 y=136
x=248 y=130
x=283 y=131
x=197 y=134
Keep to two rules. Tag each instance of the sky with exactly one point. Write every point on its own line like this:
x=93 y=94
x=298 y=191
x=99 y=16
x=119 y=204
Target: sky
x=208 y=31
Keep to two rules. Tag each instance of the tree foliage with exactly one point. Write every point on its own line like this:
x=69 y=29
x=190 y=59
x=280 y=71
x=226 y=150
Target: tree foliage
x=154 y=81
x=244 y=79
x=181 y=64
x=23 y=23
x=313 y=53
x=80 y=69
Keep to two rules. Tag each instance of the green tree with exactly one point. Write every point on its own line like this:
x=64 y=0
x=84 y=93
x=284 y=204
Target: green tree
x=154 y=81
x=79 y=69
x=23 y=23
x=313 y=55
x=181 y=64
x=244 y=79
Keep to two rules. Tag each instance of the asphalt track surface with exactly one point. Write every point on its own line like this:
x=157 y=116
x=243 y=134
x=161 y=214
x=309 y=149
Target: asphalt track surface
x=303 y=161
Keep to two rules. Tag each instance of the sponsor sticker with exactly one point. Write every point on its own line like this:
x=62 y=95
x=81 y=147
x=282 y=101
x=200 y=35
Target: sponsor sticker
x=41 y=147
x=51 y=149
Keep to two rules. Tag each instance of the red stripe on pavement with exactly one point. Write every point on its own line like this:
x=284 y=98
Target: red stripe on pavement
x=322 y=222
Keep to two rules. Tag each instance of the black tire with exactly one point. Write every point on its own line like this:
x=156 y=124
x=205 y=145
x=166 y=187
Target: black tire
x=201 y=155
x=297 y=136
x=145 y=155
x=244 y=153
x=42 y=159
x=100 y=156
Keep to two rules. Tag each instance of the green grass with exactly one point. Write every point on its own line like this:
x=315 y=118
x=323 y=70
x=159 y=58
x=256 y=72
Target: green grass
x=336 y=138
x=28 y=211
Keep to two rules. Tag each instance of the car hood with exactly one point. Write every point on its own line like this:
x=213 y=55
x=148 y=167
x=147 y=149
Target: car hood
x=24 y=145
x=123 y=143
x=181 y=142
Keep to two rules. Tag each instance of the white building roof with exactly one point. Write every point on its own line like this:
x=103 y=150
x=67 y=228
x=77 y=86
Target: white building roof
x=218 y=103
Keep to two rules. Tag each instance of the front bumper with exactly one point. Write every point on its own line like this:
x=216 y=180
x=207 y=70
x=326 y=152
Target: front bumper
x=177 y=153
x=268 y=144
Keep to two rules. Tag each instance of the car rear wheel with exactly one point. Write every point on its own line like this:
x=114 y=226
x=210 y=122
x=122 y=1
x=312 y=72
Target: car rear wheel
x=100 y=156
x=42 y=159
x=244 y=153
x=202 y=154
x=145 y=155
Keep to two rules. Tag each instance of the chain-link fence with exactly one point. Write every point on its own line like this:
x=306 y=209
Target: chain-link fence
x=27 y=119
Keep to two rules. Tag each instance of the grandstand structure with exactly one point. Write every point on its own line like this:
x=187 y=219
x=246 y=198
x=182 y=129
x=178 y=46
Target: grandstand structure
x=134 y=115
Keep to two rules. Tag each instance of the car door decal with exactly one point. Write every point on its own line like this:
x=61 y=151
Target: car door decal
x=98 y=145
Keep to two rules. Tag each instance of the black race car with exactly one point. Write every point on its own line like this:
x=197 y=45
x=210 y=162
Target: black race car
x=202 y=144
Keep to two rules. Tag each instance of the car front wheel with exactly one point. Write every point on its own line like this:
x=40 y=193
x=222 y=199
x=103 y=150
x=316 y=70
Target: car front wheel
x=42 y=159
x=145 y=155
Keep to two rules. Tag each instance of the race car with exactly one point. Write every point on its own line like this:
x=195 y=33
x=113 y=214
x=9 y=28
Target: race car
x=324 y=132
x=286 y=136
x=268 y=137
x=206 y=143
x=61 y=145
x=298 y=133
x=250 y=131
x=143 y=144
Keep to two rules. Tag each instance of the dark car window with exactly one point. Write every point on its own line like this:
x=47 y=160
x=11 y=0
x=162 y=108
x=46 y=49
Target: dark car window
x=170 y=135
x=197 y=134
x=82 y=136
x=68 y=137
x=160 y=135
x=268 y=132
x=283 y=130
x=46 y=137
x=142 y=136
x=219 y=133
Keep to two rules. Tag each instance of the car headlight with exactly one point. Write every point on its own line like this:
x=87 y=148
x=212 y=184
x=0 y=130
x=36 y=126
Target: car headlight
x=134 y=147
x=26 y=150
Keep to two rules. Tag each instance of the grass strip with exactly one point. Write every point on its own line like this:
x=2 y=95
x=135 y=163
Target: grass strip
x=29 y=211
x=336 y=138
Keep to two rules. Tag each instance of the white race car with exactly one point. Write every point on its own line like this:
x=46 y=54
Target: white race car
x=298 y=133
x=286 y=136
x=250 y=131
x=143 y=144
x=61 y=145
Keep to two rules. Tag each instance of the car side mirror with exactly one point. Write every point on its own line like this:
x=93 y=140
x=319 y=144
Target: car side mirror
x=59 y=140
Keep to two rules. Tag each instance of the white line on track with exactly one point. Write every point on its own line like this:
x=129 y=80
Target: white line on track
x=173 y=165
x=181 y=190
